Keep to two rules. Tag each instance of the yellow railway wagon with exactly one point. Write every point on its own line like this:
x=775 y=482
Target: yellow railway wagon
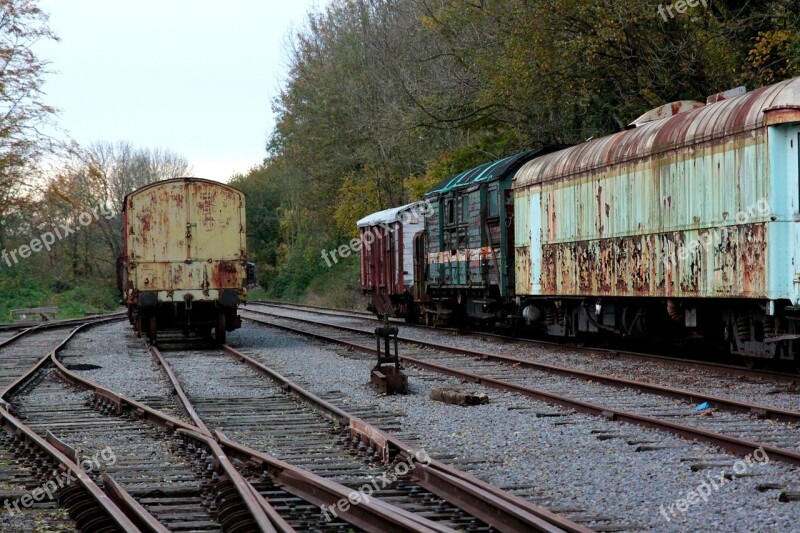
x=183 y=264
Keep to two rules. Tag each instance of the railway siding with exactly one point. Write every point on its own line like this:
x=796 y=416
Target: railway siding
x=596 y=460
x=258 y=413
x=781 y=392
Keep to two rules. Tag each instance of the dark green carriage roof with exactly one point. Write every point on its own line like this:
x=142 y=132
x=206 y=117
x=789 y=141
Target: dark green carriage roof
x=491 y=171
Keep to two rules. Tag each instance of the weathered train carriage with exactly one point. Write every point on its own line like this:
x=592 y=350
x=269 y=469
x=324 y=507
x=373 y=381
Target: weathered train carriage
x=689 y=222
x=184 y=256
x=469 y=248
x=389 y=277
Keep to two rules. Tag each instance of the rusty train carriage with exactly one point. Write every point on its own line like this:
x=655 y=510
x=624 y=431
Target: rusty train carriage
x=687 y=224
x=694 y=217
x=184 y=256
x=389 y=275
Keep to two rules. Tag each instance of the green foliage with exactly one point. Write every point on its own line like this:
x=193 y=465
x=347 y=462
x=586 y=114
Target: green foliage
x=301 y=266
x=357 y=198
x=385 y=98
x=337 y=286
x=78 y=298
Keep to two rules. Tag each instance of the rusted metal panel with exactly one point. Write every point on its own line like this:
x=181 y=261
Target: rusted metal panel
x=186 y=235
x=676 y=207
x=715 y=262
x=387 y=246
x=666 y=110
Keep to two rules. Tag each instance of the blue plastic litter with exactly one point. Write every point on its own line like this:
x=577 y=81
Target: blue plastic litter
x=702 y=407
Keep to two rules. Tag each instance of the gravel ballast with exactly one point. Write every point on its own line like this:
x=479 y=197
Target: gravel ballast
x=575 y=462
x=112 y=356
x=745 y=389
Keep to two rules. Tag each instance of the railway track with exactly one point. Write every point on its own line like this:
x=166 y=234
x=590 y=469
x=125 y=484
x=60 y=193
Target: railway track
x=84 y=414
x=157 y=470
x=43 y=487
x=304 y=430
x=10 y=329
x=736 y=426
x=23 y=349
x=164 y=474
x=732 y=370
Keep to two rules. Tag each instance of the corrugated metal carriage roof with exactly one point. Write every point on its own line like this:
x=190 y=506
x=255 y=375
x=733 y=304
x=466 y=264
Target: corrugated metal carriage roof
x=724 y=118
x=486 y=172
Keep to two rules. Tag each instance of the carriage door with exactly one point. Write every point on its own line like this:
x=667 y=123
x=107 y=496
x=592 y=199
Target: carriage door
x=420 y=264
x=215 y=234
x=156 y=237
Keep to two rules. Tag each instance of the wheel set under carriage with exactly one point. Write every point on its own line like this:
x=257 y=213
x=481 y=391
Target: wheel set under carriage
x=209 y=321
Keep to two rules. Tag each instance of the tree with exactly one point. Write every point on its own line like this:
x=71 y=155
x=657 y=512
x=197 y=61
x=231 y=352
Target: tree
x=22 y=112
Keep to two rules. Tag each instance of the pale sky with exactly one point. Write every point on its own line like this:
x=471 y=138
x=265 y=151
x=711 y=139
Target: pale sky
x=195 y=77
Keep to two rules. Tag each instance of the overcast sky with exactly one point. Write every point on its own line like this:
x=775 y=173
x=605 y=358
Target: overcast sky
x=196 y=77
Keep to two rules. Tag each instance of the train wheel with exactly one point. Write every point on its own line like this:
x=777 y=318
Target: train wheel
x=152 y=328
x=220 y=330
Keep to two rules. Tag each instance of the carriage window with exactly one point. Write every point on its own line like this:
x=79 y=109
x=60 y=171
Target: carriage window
x=492 y=201
x=451 y=212
x=465 y=208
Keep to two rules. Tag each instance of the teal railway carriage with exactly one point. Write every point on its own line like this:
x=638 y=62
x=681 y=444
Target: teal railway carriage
x=688 y=222
x=469 y=246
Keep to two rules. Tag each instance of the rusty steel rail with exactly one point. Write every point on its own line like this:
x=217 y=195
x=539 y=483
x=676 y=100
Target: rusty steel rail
x=86 y=518
x=373 y=515
x=163 y=420
x=115 y=500
x=16 y=337
x=561 y=347
x=732 y=444
x=726 y=404
x=273 y=520
x=122 y=404
x=138 y=514
x=63 y=323
x=22 y=378
x=490 y=504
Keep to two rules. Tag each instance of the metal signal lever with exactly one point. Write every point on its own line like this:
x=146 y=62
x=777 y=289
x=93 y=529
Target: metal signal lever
x=387 y=375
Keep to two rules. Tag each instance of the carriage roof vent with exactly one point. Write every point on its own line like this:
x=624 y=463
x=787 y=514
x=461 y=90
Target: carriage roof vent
x=665 y=111
x=726 y=95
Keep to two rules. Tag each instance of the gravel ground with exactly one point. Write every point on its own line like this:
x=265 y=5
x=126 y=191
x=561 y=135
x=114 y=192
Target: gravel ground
x=112 y=356
x=575 y=461
x=782 y=395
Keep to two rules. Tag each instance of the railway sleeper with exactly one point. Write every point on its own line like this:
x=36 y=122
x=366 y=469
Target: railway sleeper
x=197 y=496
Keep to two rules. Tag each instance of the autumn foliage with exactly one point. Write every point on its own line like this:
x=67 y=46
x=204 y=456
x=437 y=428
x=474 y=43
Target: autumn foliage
x=385 y=97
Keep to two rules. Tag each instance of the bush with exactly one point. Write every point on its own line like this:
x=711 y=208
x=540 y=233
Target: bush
x=76 y=299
